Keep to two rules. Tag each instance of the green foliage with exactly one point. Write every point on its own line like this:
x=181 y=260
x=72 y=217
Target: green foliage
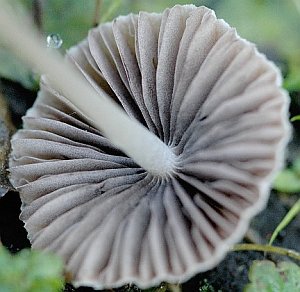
x=292 y=81
x=111 y=10
x=273 y=25
x=70 y=19
x=275 y=33
x=288 y=180
x=206 y=287
x=164 y=287
x=295 y=118
x=294 y=211
x=264 y=276
x=30 y=271
x=13 y=69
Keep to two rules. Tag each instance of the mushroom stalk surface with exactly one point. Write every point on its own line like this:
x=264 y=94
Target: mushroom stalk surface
x=145 y=148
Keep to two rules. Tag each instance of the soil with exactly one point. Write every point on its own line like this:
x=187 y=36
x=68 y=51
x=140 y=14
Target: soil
x=229 y=275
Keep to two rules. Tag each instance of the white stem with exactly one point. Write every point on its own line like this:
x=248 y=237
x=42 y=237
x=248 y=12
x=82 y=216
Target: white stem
x=132 y=138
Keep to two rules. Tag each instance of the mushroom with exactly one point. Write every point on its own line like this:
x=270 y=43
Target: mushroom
x=174 y=210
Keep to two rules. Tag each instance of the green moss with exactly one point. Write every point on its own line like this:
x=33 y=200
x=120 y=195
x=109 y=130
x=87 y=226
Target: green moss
x=30 y=271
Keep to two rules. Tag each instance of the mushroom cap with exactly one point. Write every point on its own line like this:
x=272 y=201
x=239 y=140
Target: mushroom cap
x=205 y=92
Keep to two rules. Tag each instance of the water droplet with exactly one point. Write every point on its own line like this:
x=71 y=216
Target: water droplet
x=54 y=41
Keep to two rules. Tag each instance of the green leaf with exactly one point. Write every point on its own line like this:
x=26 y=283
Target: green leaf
x=287 y=181
x=296 y=165
x=292 y=81
x=295 y=118
x=294 y=211
x=264 y=276
x=291 y=272
x=30 y=271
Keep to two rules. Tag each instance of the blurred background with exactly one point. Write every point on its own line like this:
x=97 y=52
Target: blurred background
x=272 y=24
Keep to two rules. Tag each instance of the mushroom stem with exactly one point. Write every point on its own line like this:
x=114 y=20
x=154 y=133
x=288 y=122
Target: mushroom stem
x=131 y=137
